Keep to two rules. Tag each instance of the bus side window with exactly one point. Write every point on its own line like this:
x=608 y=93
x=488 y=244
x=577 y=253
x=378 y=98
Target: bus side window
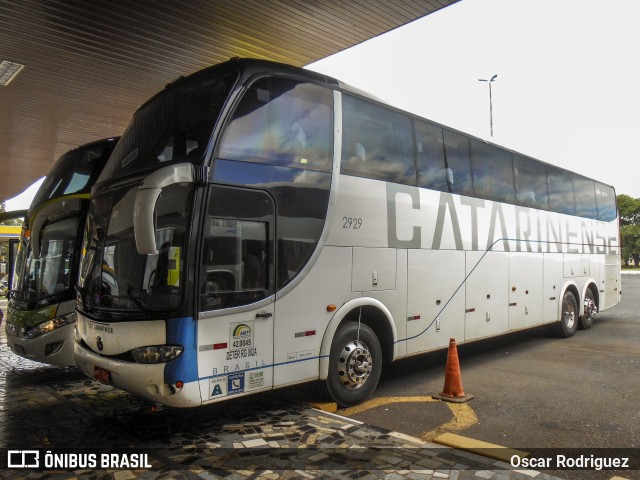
x=377 y=142
x=357 y=157
x=236 y=257
x=606 y=202
x=236 y=260
x=492 y=170
x=458 y=160
x=561 y=193
x=585 y=197
x=282 y=122
x=531 y=183
x=432 y=169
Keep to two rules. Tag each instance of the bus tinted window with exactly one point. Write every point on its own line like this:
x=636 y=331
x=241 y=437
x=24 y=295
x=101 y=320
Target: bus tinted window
x=606 y=202
x=74 y=172
x=561 y=196
x=175 y=125
x=492 y=172
x=585 y=197
x=456 y=150
x=237 y=256
x=531 y=183
x=432 y=169
x=377 y=142
x=282 y=122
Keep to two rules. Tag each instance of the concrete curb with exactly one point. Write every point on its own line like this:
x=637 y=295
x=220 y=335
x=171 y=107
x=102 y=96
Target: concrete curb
x=485 y=449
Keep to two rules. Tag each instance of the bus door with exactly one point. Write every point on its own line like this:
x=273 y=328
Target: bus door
x=235 y=323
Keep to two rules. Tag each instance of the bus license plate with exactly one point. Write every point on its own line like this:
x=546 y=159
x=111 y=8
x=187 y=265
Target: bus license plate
x=101 y=374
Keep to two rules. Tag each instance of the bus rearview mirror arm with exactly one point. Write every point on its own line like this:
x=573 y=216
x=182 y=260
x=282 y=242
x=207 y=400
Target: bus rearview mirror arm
x=48 y=212
x=144 y=229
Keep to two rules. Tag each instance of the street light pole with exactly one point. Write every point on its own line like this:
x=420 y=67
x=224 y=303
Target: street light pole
x=490 y=81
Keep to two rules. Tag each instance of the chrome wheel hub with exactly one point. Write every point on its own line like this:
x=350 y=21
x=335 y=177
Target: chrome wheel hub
x=569 y=315
x=590 y=308
x=354 y=365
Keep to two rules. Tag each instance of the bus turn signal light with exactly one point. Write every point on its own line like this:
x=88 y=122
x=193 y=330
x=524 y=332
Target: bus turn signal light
x=331 y=308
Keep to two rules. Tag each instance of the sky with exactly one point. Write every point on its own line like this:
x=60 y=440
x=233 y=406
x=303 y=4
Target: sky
x=22 y=201
x=567 y=89
x=568 y=78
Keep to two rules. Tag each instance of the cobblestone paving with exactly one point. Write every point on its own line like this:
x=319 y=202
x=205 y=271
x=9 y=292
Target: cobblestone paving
x=260 y=437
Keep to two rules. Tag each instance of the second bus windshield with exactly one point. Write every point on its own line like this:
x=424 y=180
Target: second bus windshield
x=53 y=272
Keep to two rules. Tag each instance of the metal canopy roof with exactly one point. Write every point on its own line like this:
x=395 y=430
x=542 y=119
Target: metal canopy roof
x=89 y=65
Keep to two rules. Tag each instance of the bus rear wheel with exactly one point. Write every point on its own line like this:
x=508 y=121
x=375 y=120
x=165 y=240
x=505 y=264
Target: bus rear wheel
x=590 y=310
x=355 y=363
x=569 y=314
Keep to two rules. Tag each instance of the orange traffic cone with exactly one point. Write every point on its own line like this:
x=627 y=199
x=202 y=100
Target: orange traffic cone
x=453 y=391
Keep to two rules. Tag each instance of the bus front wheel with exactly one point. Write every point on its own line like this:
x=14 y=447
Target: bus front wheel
x=355 y=363
x=569 y=315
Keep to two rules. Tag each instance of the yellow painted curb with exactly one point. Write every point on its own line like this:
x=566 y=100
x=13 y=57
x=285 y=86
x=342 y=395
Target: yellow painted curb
x=463 y=418
x=478 y=447
x=313 y=402
x=330 y=407
x=378 y=402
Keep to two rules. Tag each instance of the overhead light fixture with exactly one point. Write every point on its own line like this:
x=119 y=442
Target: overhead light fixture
x=9 y=71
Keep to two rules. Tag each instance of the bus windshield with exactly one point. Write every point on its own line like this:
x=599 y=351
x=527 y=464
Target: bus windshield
x=113 y=275
x=74 y=172
x=176 y=125
x=44 y=279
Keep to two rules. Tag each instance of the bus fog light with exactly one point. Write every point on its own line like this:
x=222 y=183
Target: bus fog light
x=156 y=353
x=52 y=348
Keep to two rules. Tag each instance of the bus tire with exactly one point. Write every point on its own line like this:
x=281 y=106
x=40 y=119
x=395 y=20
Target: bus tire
x=589 y=311
x=569 y=314
x=355 y=363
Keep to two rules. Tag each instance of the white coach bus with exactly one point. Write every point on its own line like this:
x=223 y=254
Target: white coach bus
x=259 y=225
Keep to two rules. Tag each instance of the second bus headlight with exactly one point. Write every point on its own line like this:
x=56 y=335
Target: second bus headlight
x=156 y=353
x=51 y=325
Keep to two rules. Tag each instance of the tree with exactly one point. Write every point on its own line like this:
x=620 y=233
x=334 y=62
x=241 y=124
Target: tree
x=630 y=238
x=629 y=211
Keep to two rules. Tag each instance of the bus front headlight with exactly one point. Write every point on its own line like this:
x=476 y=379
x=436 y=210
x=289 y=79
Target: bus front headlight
x=50 y=325
x=156 y=353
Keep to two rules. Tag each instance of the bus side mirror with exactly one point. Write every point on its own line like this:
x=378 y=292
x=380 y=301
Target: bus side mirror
x=144 y=228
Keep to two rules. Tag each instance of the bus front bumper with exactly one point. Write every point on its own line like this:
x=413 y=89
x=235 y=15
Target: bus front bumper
x=143 y=380
x=54 y=348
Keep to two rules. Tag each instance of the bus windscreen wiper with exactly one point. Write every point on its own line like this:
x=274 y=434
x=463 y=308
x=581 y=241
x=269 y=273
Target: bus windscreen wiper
x=47 y=296
x=134 y=299
x=26 y=295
